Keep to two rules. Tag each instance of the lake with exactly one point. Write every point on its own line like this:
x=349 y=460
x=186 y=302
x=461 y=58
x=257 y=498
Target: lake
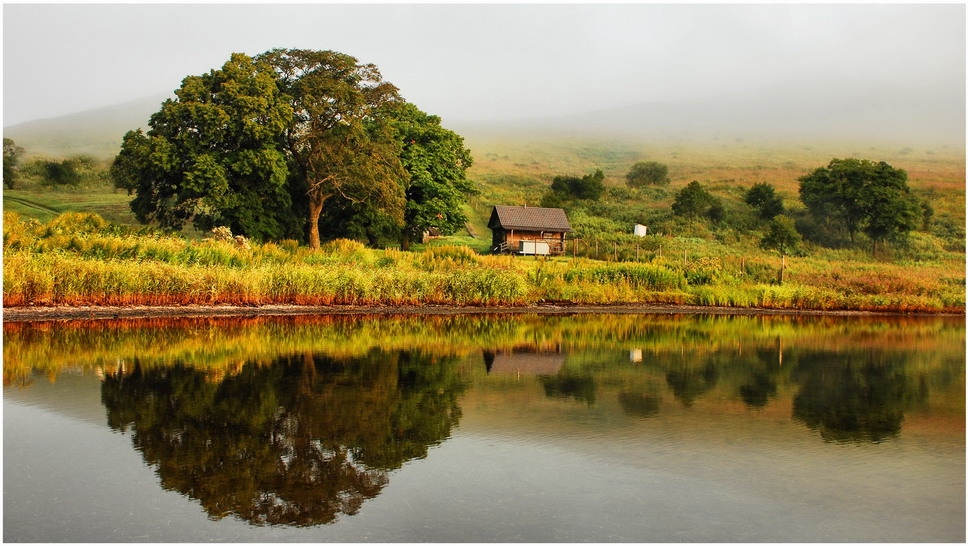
x=485 y=428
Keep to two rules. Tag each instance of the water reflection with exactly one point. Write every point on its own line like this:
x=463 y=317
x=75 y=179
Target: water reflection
x=523 y=360
x=856 y=396
x=294 y=421
x=295 y=442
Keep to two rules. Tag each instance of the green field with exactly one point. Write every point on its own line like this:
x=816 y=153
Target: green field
x=713 y=265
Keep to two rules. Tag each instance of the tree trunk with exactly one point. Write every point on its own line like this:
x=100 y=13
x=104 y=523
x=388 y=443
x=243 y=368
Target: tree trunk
x=405 y=239
x=782 y=267
x=315 y=209
x=316 y=200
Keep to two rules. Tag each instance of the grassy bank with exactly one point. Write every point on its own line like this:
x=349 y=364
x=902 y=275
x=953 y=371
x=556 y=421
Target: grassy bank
x=80 y=259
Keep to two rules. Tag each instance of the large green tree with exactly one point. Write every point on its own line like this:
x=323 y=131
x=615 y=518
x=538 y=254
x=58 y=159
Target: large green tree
x=436 y=163
x=213 y=155
x=861 y=195
x=264 y=143
x=339 y=141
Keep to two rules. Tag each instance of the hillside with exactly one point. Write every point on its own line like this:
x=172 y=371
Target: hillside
x=764 y=120
x=94 y=132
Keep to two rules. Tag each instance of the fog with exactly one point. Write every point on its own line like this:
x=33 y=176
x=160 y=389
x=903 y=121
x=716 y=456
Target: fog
x=675 y=68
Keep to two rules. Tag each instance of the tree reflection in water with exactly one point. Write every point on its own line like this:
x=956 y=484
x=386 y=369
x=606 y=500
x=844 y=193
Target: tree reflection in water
x=296 y=442
x=760 y=384
x=855 y=397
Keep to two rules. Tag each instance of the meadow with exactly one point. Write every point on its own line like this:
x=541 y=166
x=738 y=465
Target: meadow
x=80 y=259
x=82 y=246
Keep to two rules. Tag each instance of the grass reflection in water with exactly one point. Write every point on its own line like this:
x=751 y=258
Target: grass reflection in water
x=294 y=421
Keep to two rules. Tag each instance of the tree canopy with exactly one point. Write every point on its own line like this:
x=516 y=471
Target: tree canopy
x=763 y=198
x=339 y=140
x=569 y=188
x=436 y=164
x=694 y=200
x=264 y=143
x=861 y=195
x=212 y=155
x=781 y=236
x=645 y=173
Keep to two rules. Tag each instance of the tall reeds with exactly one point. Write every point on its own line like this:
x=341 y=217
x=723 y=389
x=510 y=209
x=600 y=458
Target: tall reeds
x=78 y=259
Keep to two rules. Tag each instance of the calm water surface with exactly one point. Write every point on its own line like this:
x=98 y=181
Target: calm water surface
x=480 y=428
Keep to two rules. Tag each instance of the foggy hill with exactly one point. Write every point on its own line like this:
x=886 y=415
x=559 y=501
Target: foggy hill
x=767 y=115
x=891 y=117
x=96 y=132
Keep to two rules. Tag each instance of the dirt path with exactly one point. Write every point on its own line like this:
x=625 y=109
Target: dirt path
x=24 y=314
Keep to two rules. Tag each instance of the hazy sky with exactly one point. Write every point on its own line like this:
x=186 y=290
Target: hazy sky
x=485 y=61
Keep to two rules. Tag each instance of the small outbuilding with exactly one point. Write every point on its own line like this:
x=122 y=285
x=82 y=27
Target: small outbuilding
x=528 y=230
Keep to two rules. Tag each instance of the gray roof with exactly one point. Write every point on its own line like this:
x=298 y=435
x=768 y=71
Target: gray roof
x=529 y=218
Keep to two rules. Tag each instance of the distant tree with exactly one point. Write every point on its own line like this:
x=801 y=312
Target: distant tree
x=891 y=213
x=862 y=196
x=11 y=158
x=566 y=190
x=436 y=163
x=61 y=173
x=590 y=186
x=764 y=199
x=692 y=201
x=927 y=214
x=647 y=173
x=783 y=237
x=716 y=212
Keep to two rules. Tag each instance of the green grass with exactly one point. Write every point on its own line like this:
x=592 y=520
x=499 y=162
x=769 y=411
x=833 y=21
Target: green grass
x=79 y=259
x=720 y=265
x=45 y=204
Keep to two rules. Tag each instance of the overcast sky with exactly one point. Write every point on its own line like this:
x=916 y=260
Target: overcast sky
x=495 y=61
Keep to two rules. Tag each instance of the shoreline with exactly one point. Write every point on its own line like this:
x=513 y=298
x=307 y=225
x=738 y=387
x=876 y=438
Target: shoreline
x=51 y=313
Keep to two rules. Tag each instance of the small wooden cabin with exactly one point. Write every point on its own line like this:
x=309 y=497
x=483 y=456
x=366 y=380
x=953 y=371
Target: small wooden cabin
x=528 y=230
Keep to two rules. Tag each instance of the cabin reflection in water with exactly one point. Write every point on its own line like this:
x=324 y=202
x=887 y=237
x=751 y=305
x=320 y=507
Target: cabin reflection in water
x=523 y=360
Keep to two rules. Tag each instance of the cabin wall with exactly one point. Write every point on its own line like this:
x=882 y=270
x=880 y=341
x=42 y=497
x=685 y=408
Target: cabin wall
x=514 y=237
